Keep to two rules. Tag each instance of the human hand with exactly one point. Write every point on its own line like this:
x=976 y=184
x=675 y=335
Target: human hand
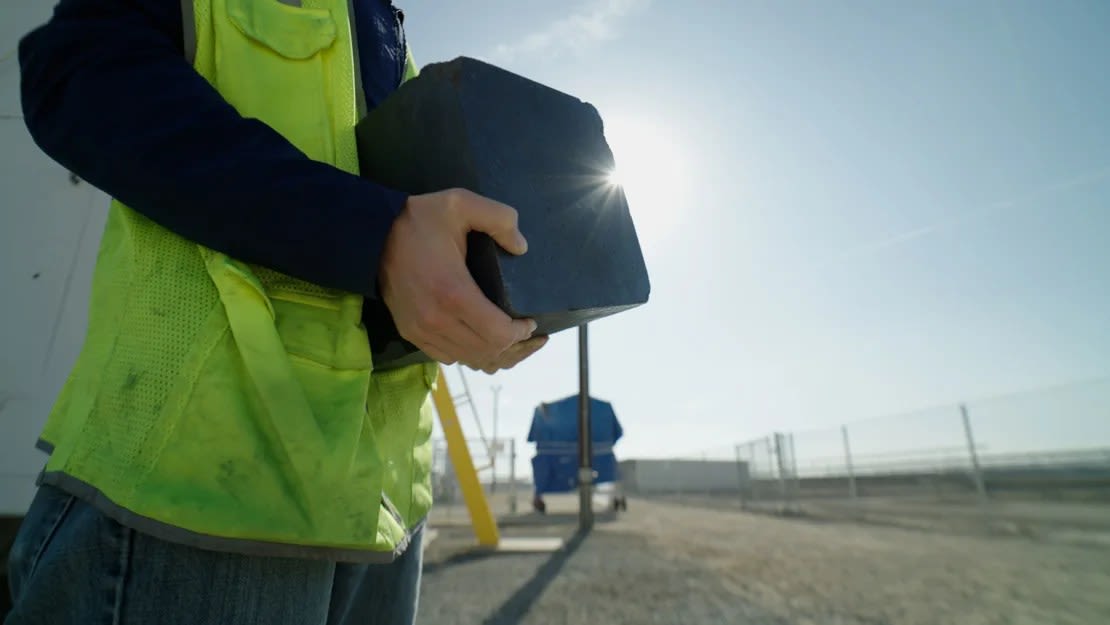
x=430 y=293
x=514 y=355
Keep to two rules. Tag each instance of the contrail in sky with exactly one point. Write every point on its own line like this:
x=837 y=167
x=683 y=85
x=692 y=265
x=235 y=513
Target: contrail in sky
x=953 y=221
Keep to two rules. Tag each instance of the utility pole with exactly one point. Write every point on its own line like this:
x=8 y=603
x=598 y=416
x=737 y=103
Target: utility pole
x=512 y=476
x=585 y=436
x=852 y=491
x=976 y=470
x=496 y=388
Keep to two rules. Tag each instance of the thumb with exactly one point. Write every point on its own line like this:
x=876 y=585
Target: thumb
x=497 y=220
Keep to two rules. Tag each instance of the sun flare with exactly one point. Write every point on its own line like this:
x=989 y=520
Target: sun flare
x=651 y=168
x=614 y=178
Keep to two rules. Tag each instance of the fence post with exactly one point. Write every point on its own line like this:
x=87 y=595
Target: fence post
x=771 y=473
x=751 y=457
x=752 y=481
x=770 y=456
x=852 y=492
x=796 y=484
x=740 y=477
x=977 y=471
x=450 y=483
x=781 y=466
x=512 y=476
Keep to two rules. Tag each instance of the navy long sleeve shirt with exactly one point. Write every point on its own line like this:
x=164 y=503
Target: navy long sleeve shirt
x=108 y=94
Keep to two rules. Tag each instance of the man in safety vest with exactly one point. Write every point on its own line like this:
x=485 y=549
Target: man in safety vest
x=224 y=450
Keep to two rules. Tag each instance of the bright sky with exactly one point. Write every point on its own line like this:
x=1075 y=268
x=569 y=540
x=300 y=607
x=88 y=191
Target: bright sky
x=848 y=209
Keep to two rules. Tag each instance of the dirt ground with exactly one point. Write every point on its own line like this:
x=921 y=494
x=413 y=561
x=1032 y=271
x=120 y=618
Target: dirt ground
x=683 y=562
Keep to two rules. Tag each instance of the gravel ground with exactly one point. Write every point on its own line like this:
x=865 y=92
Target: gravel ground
x=682 y=563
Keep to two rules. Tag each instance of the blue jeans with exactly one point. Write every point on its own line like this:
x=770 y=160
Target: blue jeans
x=72 y=564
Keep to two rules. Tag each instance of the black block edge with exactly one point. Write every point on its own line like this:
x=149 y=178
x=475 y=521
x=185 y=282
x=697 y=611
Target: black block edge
x=402 y=353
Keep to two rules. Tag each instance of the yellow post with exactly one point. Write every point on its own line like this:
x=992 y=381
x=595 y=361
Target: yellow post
x=481 y=517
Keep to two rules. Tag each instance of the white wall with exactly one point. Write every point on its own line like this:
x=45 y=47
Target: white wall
x=49 y=227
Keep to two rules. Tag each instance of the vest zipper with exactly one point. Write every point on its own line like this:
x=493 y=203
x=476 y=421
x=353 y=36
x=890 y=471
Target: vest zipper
x=393 y=512
x=360 y=95
x=399 y=17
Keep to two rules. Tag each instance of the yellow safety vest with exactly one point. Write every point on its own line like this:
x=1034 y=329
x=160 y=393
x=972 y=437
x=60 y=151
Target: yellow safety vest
x=226 y=405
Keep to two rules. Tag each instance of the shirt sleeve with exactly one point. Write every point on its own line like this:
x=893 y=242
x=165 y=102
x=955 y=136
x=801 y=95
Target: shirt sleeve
x=108 y=94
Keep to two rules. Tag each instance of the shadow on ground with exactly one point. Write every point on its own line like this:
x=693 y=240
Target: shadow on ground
x=517 y=605
x=520 y=602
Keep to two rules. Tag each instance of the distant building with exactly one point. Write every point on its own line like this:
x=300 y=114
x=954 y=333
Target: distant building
x=644 y=477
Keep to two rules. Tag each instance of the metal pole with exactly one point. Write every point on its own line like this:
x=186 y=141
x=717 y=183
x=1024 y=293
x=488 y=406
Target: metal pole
x=977 y=472
x=496 y=443
x=852 y=492
x=512 y=476
x=585 y=438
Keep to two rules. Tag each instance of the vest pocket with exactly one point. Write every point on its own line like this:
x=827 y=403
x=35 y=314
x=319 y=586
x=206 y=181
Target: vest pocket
x=291 y=31
x=270 y=65
x=325 y=331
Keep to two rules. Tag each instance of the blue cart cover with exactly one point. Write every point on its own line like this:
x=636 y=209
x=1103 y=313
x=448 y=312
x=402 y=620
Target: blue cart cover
x=555 y=433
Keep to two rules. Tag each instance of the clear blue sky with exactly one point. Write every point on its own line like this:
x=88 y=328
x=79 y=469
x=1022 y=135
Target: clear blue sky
x=849 y=209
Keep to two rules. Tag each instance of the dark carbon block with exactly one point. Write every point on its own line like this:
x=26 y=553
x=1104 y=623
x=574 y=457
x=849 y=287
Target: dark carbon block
x=469 y=124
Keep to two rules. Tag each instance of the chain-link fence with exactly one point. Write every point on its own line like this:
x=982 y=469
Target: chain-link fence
x=495 y=460
x=1047 y=443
